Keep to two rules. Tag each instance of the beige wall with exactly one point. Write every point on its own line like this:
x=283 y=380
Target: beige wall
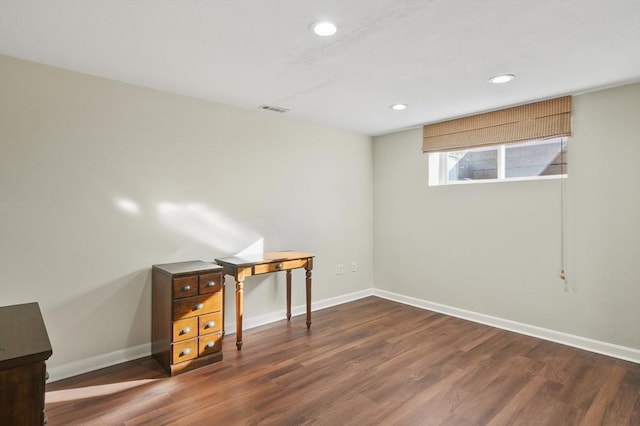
x=494 y=249
x=209 y=181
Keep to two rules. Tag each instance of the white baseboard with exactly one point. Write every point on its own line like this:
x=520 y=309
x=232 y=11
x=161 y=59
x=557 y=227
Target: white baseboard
x=129 y=354
x=251 y=322
x=604 y=348
x=96 y=362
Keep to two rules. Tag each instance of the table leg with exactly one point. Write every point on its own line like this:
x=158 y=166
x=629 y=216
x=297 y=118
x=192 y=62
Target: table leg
x=308 y=283
x=239 y=293
x=288 y=294
x=223 y=309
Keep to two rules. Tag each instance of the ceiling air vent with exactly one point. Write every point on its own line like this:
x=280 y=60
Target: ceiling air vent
x=273 y=108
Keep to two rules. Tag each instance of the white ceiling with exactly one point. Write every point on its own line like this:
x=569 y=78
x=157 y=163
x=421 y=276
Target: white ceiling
x=436 y=56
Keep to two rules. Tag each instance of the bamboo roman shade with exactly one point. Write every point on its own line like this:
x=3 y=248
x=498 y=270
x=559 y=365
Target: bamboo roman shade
x=539 y=120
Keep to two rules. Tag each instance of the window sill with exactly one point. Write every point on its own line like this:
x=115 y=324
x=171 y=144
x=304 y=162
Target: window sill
x=520 y=179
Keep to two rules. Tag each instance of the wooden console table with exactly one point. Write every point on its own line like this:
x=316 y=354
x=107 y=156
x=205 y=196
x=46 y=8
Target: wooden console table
x=246 y=266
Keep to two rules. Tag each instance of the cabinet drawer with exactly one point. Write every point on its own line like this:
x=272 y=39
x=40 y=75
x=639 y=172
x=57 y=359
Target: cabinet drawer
x=185 y=329
x=194 y=306
x=185 y=286
x=210 y=283
x=184 y=351
x=210 y=323
x=279 y=266
x=209 y=344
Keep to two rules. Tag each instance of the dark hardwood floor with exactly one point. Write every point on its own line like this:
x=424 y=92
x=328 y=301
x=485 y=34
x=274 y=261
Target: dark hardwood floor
x=368 y=362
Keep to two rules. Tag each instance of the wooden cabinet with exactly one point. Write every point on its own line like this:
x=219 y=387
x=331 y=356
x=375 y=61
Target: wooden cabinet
x=24 y=348
x=187 y=315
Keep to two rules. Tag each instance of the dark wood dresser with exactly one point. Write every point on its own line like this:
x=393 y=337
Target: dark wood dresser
x=24 y=348
x=187 y=315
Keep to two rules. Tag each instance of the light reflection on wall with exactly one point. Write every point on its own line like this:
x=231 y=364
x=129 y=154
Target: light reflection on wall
x=128 y=206
x=210 y=227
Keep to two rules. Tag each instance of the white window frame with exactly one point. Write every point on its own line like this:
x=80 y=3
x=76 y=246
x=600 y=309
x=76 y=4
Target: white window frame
x=439 y=175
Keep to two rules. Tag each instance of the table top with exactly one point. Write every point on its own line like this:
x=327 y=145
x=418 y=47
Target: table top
x=23 y=336
x=268 y=257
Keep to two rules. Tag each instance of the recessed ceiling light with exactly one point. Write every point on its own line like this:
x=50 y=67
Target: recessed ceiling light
x=501 y=78
x=324 y=28
x=398 y=107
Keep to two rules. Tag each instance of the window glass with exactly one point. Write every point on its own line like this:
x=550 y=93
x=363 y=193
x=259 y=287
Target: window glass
x=472 y=164
x=539 y=159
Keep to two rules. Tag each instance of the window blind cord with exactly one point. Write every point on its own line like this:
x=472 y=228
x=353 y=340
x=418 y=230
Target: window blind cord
x=563 y=190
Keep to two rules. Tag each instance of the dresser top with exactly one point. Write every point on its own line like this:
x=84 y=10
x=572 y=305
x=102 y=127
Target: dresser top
x=23 y=336
x=191 y=266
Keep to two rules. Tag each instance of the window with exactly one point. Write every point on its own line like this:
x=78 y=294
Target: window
x=522 y=142
x=537 y=159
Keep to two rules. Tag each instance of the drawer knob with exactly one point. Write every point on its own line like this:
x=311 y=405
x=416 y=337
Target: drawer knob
x=186 y=287
x=185 y=351
x=278 y=265
x=210 y=324
x=198 y=306
x=211 y=345
x=185 y=330
x=211 y=283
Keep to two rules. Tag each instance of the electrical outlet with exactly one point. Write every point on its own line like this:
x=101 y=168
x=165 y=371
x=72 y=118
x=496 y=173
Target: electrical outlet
x=339 y=269
x=354 y=266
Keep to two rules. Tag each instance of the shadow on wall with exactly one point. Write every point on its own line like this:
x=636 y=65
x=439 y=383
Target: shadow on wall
x=104 y=315
x=117 y=310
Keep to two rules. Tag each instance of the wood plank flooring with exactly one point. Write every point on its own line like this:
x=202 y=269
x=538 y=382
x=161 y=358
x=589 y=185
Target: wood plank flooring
x=368 y=362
